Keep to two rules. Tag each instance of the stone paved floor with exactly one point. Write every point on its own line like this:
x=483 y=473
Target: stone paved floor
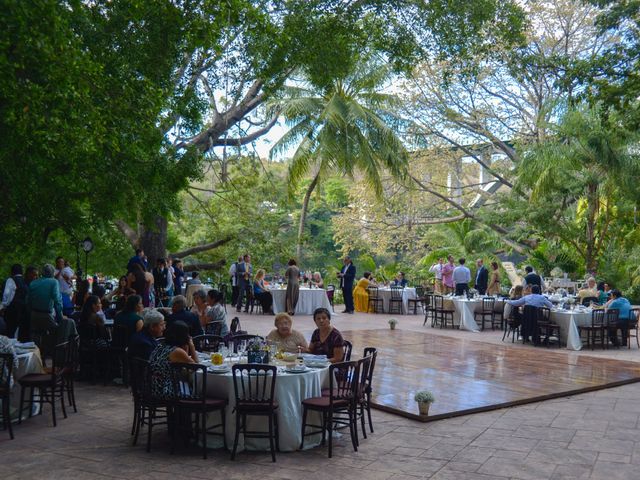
x=589 y=436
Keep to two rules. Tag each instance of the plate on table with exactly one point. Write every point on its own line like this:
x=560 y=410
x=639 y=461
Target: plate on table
x=218 y=369
x=297 y=369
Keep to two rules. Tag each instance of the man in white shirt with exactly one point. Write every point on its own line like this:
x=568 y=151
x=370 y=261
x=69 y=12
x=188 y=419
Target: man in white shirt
x=437 y=269
x=461 y=278
x=64 y=274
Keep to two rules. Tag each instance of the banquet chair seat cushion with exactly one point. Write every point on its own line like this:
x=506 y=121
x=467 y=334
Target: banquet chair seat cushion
x=253 y=407
x=35 y=379
x=210 y=402
x=324 y=402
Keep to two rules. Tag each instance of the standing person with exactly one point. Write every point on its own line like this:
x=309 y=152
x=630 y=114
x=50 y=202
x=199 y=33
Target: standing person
x=244 y=272
x=64 y=275
x=494 y=280
x=31 y=274
x=293 y=287
x=532 y=278
x=482 y=277
x=436 y=269
x=14 y=299
x=139 y=282
x=179 y=277
x=170 y=277
x=461 y=278
x=44 y=303
x=138 y=258
x=347 y=275
x=160 y=281
x=447 y=275
x=234 y=281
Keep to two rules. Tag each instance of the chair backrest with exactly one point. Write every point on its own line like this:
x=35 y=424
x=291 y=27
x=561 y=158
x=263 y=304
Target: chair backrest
x=612 y=316
x=120 y=336
x=347 y=347
x=140 y=378
x=243 y=338
x=344 y=379
x=6 y=369
x=213 y=328
x=364 y=364
x=586 y=301
x=419 y=291
x=207 y=343
x=396 y=293
x=373 y=353
x=254 y=383
x=223 y=288
x=235 y=325
x=61 y=357
x=487 y=304
x=597 y=317
x=634 y=313
x=372 y=292
x=438 y=302
x=544 y=314
x=189 y=381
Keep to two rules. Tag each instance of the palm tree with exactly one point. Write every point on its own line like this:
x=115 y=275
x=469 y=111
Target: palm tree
x=591 y=161
x=343 y=128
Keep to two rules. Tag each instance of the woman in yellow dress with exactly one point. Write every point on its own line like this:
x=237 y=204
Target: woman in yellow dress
x=360 y=294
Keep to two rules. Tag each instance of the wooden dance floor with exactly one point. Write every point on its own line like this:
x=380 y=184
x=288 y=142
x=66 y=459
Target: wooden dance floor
x=471 y=376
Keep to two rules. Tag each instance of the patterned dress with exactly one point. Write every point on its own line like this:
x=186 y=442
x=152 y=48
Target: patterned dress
x=161 y=386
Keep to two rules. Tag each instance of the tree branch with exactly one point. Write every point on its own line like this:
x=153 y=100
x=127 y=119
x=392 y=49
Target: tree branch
x=190 y=267
x=128 y=232
x=201 y=248
x=248 y=138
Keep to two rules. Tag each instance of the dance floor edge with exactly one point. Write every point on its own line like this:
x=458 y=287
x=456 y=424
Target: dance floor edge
x=469 y=376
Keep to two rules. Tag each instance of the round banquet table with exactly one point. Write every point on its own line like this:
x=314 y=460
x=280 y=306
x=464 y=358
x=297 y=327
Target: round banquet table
x=291 y=389
x=308 y=300
x=465 y=308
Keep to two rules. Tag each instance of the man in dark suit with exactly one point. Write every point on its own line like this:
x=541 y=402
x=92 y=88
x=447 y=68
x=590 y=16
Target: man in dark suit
x=482 y=277
x=244 y=273
x=347 y=275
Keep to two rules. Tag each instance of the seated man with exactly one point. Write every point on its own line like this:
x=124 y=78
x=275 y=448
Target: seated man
x=180 y=313
x=534 y=299
x=399 y=281
x=145 y=341
x=625 y=316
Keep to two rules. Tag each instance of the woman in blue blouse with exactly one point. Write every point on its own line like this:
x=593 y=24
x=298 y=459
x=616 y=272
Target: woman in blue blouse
x=262 y=293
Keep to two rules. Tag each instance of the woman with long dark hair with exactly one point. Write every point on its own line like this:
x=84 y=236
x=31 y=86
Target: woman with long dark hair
x=138 y=281
x=90 y=316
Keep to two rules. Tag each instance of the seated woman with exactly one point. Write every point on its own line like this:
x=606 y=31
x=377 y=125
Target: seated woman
x=262 y=293
x=89 y=316
x=119 y=295
x=603 y=296
x=131 y=315
x=216 y=312
x=200 y=307
x=285 y=337
x=589 y=292
x=516 y=292
x=316 y=280
x=326 y=340
x=360 y=293
x=177 y=348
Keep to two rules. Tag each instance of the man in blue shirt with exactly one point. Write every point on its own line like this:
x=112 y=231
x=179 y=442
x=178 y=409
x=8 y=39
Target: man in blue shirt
x=625 y=316
x=534 y=299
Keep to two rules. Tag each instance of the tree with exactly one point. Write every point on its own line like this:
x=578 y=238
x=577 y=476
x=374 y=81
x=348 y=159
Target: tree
x=342 y=128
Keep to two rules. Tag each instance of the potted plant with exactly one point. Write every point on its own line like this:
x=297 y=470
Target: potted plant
x=424 y=398
x=392 y=323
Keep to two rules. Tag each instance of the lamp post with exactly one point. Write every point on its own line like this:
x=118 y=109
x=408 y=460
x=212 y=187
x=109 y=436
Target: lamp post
x=87 y=246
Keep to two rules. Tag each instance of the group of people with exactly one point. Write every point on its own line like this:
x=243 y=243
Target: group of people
x=452 y=278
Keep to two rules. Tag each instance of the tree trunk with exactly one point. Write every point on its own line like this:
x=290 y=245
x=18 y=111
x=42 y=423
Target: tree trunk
x=303 y=214
x=593 y=206
x=153 y=240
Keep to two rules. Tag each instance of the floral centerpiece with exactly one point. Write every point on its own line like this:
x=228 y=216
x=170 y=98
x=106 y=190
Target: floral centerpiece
x=257 y=352
x=392 y=323
x=424 y=398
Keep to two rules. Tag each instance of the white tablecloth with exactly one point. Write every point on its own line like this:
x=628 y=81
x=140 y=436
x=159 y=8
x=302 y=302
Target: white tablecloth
x=407 y=293
x=291 y=389
x=569 y=321
x=191 y=289
x=27 y=363
x=308 y=300
x=464 y=310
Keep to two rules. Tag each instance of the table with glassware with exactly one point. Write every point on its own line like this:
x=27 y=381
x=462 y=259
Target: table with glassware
x=293 y=385
x=569 y=321
x=407 y=293
x=308 y=299
x=464 y=308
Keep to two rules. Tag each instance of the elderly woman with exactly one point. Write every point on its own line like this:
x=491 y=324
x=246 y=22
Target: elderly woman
x=216 y=312
x=326 y=340
x=200 y=307
x=284 y=336
x=316 y=280
x=590 y=291
x=178 y=348
x=262 y=293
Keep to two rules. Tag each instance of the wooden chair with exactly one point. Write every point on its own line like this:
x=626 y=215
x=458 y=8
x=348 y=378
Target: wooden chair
x=49 y=386
x=486 y=313
x=429 y=309
x=237 y=339
x=395 y=302
x=213 y=328
x=254 y=386
x=119 y=343
x=547 y=328
x=344 y=379
x=365 y=402
x=70 y=370
x=235 y=325
x=347 y=347
x=375 y=303
x=93 y=360
x=331 y=290
x=192 y=402
x=223 y=288
x=597 y=327
x=419 y=300
x=208 y=343
x=512 y=324
x=6 y=369
x=633 y=325
x=586 y=301
x=612 y=322
x=443 y=315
